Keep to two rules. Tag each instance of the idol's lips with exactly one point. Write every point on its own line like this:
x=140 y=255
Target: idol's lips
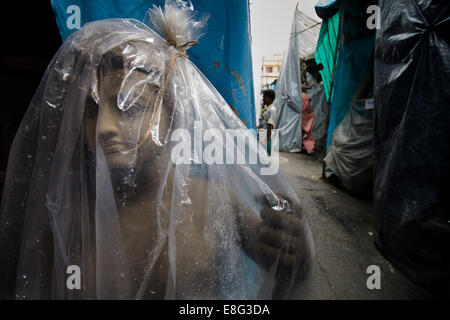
x=114 y=147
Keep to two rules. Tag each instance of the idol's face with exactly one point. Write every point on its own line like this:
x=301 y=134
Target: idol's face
x=120 y=111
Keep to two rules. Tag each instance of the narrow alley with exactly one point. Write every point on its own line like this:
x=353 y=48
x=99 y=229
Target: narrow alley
x=343 y=229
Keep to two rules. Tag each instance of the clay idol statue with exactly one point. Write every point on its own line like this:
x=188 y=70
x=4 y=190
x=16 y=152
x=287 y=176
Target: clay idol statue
x=103 y=200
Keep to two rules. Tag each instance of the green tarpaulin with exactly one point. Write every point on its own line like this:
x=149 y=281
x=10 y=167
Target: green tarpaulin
x=326 y=49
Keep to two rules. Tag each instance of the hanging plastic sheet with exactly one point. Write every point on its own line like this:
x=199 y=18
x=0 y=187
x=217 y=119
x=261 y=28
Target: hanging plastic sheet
x=412 y=134
x=107 y=176
x=288 y=99
x=355 y=49
x=350 y=154
x=326 y=51
x=320 y=108
x=224 y=55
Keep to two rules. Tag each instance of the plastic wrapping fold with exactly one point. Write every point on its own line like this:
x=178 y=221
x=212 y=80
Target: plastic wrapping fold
x=92 y=184
x=411 y=140
x=350 y=154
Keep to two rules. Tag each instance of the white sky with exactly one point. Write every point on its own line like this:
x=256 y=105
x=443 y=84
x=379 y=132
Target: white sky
x=271 y=22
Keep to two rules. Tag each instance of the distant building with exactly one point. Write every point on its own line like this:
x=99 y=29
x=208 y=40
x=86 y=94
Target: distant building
x=271 y=67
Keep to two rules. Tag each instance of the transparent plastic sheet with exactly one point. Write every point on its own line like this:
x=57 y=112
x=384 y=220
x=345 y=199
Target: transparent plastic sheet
x=91 y=182
x=411 y=140
x=350 y=154
x=224 y=54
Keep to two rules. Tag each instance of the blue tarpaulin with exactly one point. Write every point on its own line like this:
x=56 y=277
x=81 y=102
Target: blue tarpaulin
x=223 y=53
x=356 y=46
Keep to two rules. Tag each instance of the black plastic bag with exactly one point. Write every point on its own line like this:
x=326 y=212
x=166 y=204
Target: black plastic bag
x=411 y=140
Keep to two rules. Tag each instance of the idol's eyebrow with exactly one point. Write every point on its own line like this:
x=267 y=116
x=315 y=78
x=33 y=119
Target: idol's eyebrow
x=148 y=70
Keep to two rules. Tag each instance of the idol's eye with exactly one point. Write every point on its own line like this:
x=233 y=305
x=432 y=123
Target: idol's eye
x=145 y=102
x=144 y=99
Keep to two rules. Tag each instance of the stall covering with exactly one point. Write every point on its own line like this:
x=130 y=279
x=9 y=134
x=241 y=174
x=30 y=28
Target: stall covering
x=109 y=175
x=224 y=55
x=319 y=106
x=288 y=100
x=350 y=155
x=327 y=50
x=411 y=140
x=353 y=60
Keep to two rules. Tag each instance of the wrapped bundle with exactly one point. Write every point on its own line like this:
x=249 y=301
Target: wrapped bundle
x=106 y=180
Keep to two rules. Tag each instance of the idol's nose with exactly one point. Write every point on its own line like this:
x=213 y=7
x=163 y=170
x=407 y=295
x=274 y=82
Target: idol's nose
x=108 y=125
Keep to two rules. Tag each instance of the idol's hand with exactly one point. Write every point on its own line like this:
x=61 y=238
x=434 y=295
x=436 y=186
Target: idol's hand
x=281 y=237
x=277 y=241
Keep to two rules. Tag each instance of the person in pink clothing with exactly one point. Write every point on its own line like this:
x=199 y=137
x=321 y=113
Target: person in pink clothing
x=307 y=124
